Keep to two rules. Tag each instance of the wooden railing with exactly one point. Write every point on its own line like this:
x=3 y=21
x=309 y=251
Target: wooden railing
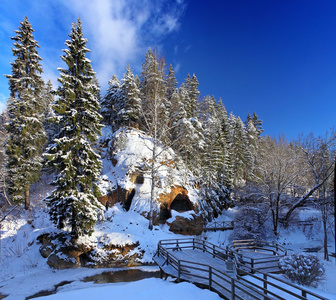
x=262 y=264
x=257 y=244
x=257 y=285
x=225 y=225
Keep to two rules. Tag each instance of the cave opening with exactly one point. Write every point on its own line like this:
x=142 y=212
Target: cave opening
x=181 y=203
x=129 y=199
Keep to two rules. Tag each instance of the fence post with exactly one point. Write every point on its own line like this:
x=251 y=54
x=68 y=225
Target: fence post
x=304 y=294
x=213 y=251
x=178 y=270
x=252 y=265
x=193 y=243
x=232 y=289
x=203 y=246
x=210 y=277
x=265 y=285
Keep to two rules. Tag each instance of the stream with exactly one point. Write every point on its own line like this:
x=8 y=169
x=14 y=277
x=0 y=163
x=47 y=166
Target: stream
x=104 y=277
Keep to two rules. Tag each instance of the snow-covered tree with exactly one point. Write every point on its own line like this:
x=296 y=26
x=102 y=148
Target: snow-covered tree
x=48 y=96
x=225 y=174
x=279 y=166
x=214 y=163
x=241 y=157
x=74 y=201
x=155 y=115
x=113 y=103
x=191 y=85
x=318 y=155
x=187 y=128
x=26 y=135
x=153 y=93
x=3 y=157
x=131 y=111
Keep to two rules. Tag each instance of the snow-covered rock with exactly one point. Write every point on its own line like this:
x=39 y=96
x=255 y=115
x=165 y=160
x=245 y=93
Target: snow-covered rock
x=126 y=177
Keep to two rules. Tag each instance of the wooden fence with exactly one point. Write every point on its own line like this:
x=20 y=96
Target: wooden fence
x=225 y=225
x=268 y=263
x=257 y=285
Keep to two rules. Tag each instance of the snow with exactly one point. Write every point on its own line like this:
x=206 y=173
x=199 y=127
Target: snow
x=133 y=154
x=151 y=288
x=187 y=215
x=22 y=265
x=24 y=272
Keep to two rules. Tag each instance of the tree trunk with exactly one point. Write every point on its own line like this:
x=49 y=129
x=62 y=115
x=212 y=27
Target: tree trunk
x=302 y=201
x=27 y=200
x=325 y=239
x=275 y=229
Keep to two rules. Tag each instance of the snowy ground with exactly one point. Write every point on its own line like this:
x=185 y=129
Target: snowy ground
x=24 y=272
x=145 y=289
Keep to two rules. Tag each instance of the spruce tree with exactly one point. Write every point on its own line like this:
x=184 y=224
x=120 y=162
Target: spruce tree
x=191 y=85
x=74 y=201
x=51 y=128
x=113 y=103
x=187 y=126
x=26 y=135
x=132 y=107
x=241 y=156
x=225 y=176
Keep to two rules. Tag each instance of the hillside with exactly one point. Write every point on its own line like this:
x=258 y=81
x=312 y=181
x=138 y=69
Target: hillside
x=127 y=156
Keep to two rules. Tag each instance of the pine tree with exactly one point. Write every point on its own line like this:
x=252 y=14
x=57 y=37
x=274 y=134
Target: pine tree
x=26 y=135
x=215 y=166
x=132 y=106
x=241 y=156
x=51 y=127
x=171 y=83
x=74 y=201
x=225 y=175
x=113 y=103
x=187 y=126
x=257 y=123
x=172 y=97
x=191 y=85
x=3 y=156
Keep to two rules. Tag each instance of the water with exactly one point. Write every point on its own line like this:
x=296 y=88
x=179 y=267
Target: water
x=122 y=276
x=105 y=277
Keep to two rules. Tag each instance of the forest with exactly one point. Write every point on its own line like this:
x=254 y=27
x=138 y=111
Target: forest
x=233 y=162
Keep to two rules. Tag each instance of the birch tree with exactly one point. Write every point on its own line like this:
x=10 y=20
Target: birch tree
x=278 y=167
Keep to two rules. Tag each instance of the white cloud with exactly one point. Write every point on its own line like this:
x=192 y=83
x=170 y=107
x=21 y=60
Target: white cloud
x=121 y=31
x=118 y=31
x=177 y=67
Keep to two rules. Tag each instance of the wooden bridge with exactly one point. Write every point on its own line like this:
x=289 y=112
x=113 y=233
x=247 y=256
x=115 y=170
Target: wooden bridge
x=214 y=226
x=234 y=272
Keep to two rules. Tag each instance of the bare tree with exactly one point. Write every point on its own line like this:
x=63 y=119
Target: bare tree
x=319 y=165
x=277 y=169
x=154 y=115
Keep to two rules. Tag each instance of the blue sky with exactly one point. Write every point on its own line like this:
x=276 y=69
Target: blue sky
x=276 y=58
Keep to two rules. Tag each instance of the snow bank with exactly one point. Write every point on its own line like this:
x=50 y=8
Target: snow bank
x=144 y=289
